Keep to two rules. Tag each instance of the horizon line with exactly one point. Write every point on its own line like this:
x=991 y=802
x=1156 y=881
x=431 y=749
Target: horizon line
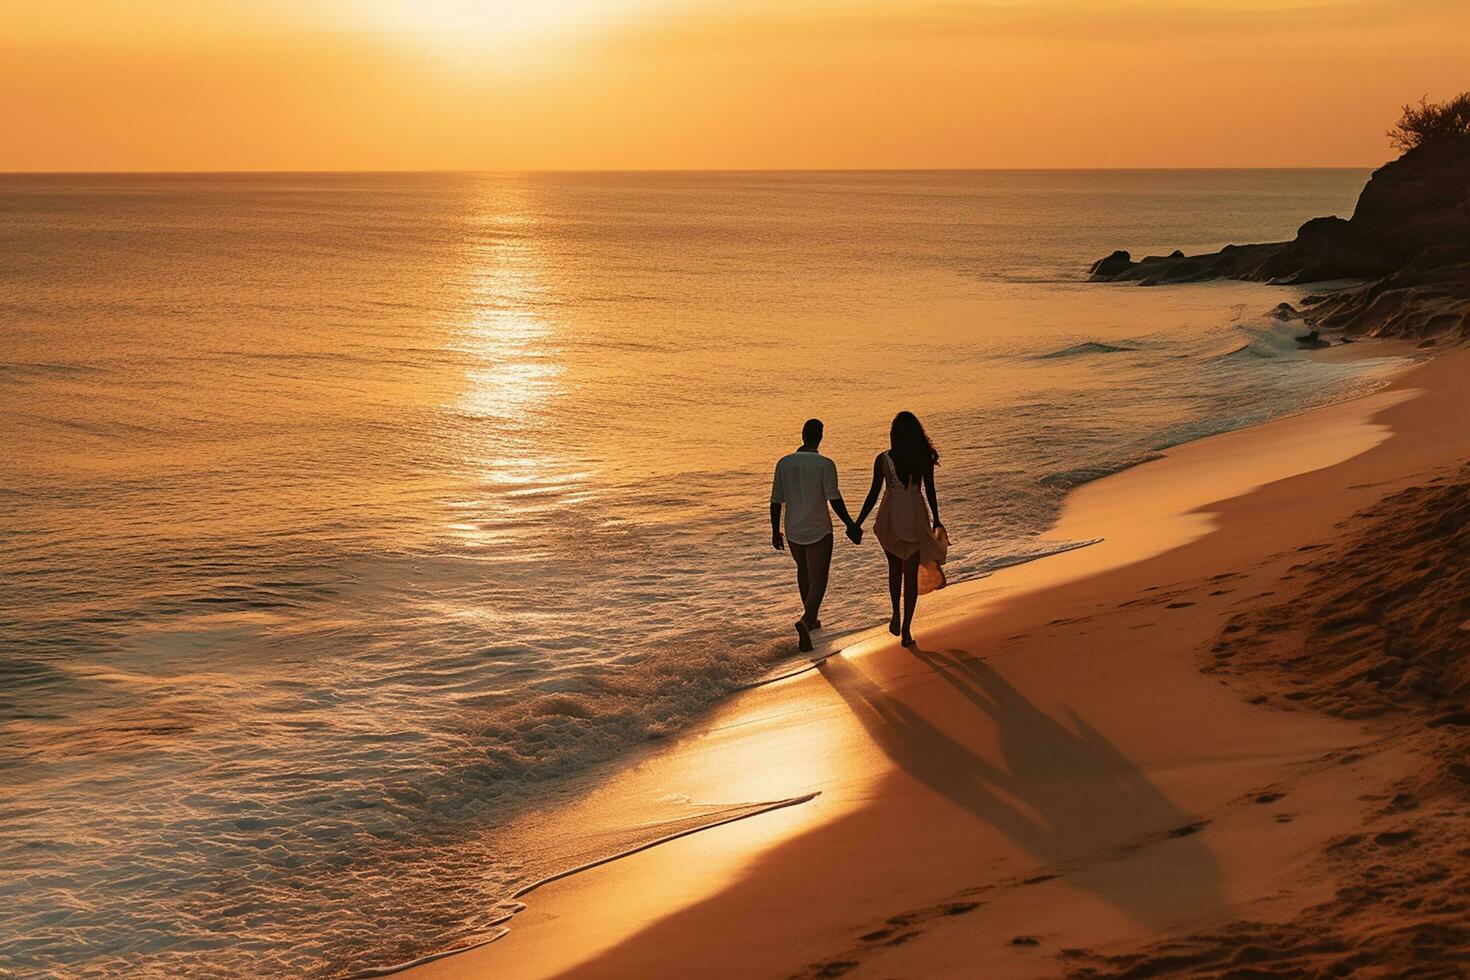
x=657 y=170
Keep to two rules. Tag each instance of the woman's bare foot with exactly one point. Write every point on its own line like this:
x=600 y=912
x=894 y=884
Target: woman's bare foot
x=893 y=625
x=804 y=636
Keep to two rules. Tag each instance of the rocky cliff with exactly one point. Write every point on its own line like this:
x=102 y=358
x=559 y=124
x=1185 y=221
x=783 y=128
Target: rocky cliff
x=1409 y=235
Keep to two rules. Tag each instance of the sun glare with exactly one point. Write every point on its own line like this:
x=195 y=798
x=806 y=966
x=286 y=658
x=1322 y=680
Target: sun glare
x=499 y=20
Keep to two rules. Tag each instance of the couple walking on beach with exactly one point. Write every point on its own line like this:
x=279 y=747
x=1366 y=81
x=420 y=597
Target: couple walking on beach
x=916 y=545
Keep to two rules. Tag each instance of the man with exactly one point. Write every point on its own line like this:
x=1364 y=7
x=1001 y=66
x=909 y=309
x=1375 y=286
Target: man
x=806 y=483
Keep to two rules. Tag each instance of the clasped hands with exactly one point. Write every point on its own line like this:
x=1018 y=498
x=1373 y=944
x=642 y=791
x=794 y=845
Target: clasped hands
x=854 y=534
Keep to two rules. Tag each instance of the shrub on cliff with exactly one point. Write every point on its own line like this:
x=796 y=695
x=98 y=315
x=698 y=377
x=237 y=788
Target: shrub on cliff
x=1432 y=122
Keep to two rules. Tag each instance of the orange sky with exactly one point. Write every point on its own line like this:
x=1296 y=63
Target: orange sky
x=602 y=84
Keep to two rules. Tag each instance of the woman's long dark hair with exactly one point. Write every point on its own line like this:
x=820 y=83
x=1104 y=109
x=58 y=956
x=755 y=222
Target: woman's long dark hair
x=914 y=456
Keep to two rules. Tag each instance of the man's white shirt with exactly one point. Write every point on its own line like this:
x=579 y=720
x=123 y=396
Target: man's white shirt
x=804 y=482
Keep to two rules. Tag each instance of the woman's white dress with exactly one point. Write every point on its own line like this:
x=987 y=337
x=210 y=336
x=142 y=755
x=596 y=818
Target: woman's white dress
x=903 y=527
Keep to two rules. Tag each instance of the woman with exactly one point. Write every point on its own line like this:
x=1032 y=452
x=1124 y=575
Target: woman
x=904 y=527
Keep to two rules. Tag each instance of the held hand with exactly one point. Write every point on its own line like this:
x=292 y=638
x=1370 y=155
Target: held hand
x=855 y=533
x=937 y=525
x=777 y=541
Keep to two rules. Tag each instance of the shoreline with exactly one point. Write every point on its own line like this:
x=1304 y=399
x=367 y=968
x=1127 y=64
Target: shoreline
x=849 y=707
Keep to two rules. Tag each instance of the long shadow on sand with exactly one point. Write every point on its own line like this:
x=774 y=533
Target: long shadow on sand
x=1065 y=794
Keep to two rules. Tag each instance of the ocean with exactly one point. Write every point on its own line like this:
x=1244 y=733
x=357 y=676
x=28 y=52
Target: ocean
x=350 y=520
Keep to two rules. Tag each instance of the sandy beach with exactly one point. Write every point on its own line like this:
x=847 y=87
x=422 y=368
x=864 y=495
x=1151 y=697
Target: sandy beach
x=1138 y=757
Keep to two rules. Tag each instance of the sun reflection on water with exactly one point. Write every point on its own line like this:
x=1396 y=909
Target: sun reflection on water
x=512 y=372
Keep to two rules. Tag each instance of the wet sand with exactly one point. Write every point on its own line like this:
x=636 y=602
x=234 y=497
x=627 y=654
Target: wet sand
x=1066 y=776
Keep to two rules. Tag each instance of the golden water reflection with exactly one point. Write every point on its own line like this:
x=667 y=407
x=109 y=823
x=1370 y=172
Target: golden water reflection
x=512 y=371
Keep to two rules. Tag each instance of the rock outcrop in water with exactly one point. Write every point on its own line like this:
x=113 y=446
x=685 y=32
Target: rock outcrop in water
x=1409 y=234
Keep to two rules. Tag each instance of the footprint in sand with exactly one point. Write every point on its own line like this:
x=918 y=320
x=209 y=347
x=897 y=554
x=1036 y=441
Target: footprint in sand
x=1187 y=829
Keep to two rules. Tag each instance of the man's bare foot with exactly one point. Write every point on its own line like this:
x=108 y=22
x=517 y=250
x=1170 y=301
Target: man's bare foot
x=893 y=625
x=804 y=636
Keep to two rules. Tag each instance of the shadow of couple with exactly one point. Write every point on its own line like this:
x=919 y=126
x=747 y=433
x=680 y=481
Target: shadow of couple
x=1062 y=792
